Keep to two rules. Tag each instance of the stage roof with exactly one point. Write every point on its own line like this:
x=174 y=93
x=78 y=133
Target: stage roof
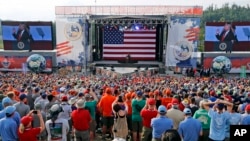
x=129 y=10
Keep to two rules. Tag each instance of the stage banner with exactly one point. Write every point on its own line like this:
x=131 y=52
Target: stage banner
x=234 y=65
x=183 y=33
x=71 y=41
x=18 y=63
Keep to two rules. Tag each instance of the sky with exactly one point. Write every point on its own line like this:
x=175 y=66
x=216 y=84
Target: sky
x=44 y=10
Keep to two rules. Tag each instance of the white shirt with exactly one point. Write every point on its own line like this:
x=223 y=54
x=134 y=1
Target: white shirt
x=66 y=114
x=59 y=131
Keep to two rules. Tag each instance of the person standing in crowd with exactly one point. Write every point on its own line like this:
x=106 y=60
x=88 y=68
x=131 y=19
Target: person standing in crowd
x=233 y=120
x=190 y=129
x=202 y=115
x=90 y=104
x=128 y=101
x=148 y=112
x=161 y=124
x=81 y=120
x=8 y=102
x=137 y=104
x=246 y=118
x=105 y=107
x=175 y=114
x=30 y=100
x=36 y=122
x=42 y=100
x=8 y=126
x=57 y=128
x=120 y=128
x=51 y=99
x=219 y=118
x=21 y=107
x=26 y=131
x=66 y=113
x=36 y=94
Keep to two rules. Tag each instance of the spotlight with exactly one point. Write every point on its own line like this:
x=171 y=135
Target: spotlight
x=137 y=27
x=125 y=27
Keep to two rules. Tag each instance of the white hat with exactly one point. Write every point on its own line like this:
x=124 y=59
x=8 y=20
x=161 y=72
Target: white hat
x=62 y=89
x=80 y=103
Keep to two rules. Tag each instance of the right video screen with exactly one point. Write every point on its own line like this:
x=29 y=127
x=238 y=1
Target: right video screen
x=222 y=35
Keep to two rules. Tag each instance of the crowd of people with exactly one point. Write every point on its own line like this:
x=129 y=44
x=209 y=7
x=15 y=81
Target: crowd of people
x=158 y=108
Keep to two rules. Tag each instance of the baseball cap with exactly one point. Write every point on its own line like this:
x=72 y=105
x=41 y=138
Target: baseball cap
x=64 y=98
x=247 y=107
x=37 y=106
x=80 y=94
x=139 y=93
x=10 y=109
x=151 y=101
x=55 y=110
x=26 y=120
x=187 y=111
x=162 y=109
x=37 y=89
x=22 y=96
x=6 y=100
x=175 y=101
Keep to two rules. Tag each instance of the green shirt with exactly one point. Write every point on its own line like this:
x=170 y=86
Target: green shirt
x=91 y=106
x=202 y=115
x=137 y=106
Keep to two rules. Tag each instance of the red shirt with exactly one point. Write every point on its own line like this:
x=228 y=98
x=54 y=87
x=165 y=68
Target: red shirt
x=81 y=119
x=147 y=115
x=29 y=134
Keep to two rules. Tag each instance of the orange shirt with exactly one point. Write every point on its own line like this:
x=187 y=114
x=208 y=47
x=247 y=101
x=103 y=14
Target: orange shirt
x=166 y=100
x=105 y=105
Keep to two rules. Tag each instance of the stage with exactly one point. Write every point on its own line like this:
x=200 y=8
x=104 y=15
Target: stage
x=132 y=65
x=141 y=68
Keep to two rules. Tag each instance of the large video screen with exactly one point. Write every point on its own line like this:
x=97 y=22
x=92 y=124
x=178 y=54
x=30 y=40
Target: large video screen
x=216 y=32
x=27 y=35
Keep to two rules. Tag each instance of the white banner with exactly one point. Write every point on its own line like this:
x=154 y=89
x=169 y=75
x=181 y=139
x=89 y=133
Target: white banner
x=70 y=37
x=183 y=36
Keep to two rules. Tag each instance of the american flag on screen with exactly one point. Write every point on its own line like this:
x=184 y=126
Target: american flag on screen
x=63 y=48
x=140 y=44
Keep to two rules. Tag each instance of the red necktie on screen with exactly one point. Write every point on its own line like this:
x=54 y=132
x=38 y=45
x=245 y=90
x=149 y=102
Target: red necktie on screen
x=223 y=37
x=20 y=36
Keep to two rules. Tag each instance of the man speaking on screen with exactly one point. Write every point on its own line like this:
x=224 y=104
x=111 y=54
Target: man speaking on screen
x=226 y=35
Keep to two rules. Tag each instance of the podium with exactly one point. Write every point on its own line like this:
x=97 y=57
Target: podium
x=223 y=46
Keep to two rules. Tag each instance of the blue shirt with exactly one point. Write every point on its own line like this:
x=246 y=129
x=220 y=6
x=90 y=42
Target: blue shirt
x=218 y=124
x=246 y=120
x=16 y=116
x=160 y=125
x=8 y=129
x=190 y=129
x=235 y=119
